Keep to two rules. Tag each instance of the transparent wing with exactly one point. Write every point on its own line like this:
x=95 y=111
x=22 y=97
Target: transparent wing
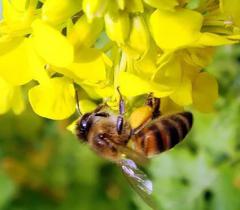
x=133 y=155
x=139 y=181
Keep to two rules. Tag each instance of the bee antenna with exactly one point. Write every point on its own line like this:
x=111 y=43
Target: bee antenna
x=120 y=95
x=77 y=101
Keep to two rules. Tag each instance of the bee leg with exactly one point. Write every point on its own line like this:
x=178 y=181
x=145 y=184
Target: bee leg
x=120 y=119
x=154 y=103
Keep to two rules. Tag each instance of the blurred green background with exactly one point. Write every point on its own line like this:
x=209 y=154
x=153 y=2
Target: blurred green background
x=43 y=166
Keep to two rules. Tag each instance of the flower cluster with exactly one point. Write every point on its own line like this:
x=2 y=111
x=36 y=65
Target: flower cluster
x=141 y=46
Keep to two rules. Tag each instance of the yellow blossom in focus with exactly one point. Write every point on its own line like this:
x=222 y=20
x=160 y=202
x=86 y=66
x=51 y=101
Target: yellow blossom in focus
x=53 y=99
x=94 y=46
x=11 y=98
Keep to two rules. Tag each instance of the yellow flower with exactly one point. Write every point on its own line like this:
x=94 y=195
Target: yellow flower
x=95 y=8
x=89 y=66
x=84 y=33
x=138 y=34
x=140 y=45
x=56 y=12
x=117 y=26
x=182 y=29
x=177 y=29
x=14 y=64
x=205 y=92
x=11 y=98
x=164 y=5
x=51 y=45
x=54 y=99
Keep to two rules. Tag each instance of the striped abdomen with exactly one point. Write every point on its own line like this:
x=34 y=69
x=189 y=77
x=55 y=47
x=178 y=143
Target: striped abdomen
x=163 y=133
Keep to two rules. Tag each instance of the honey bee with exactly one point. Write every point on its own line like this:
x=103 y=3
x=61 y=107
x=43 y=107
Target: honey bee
x=127 y=142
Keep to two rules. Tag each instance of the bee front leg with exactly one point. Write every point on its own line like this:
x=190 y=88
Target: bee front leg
x=120 y=118
x=154 y=103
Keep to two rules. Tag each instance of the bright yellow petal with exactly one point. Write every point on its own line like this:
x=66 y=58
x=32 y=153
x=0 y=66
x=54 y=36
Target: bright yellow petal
x=36 y=63
x=183 y=94
x=169 y=107
x=54 y=100
x=169 y=72
x=98 y=92
x=117 y=26
x=11 y=97
x=86 y=105
x=94 y=8
x=89 y=65
x=132 y=85
x=72 y=127
x=55 y=11
x=51 y=45
x=104 y=92
x=17 y=16
x=147 y=65
x=6 y=96
x=200 y=57
x=173 y=30
x=84 y=33
x=163 y=4
x=205 y=92
x=14 y=65
x=138 y=34
x=18 y=104
x=209 y=39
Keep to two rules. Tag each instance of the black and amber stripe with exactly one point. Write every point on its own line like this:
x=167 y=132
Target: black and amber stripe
x=163 y=133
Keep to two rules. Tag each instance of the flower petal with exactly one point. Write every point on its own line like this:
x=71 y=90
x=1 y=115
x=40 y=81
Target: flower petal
x=94 y=8
x=210 y=39
x=117 y=26
x=11 y=97
x=169 y=107
x=86 y=105
x=36 y=63
x=183 y=95
x=132 y=85
x=163 y=4
x=84 y=33
x=173 y=30
x=55 y=11
x=14 y=65
x=205 y=92
x=6 y=96
x=18 y=104
x=51 y=45
x=54 y=99
x=89 y=65
x=138 y=34
x=169 y=72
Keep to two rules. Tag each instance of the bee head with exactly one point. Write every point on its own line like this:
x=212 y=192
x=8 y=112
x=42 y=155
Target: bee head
x=83 y=126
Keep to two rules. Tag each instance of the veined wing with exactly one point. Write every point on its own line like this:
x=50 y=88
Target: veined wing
x=133 y=155
x=139 y=181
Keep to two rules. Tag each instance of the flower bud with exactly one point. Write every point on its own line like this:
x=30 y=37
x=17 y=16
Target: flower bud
x=117 y=27
x=95 y=8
